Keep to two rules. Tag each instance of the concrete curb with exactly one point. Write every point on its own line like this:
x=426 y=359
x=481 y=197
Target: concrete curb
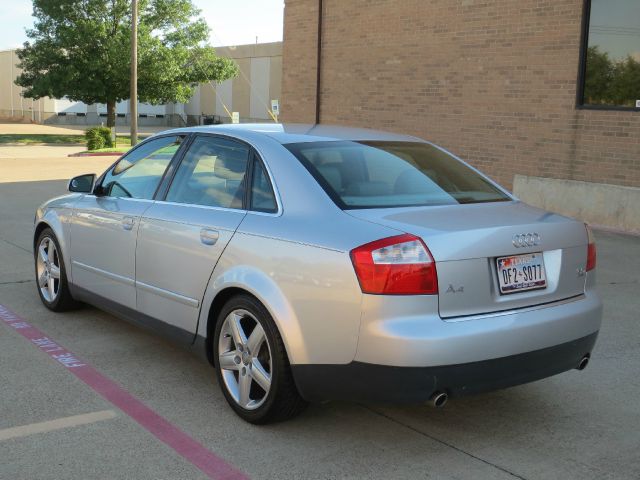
x=40 y=144
x=96 y=154
x=618 y=231
x=601 y=204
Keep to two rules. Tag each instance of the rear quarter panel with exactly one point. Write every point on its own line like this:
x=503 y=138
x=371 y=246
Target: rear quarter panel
x=311 y=292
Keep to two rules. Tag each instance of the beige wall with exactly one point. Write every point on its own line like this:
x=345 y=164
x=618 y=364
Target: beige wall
x=13 y=107
x=251 y=92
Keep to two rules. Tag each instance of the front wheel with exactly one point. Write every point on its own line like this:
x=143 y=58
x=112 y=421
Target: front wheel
x=252 y=365
x=51 y=276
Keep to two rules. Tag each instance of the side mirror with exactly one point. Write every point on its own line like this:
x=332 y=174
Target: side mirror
x=82 y=183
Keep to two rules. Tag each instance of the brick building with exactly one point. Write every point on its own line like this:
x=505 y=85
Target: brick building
x=505 y=84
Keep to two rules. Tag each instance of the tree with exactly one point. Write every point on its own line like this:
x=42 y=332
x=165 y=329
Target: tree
x=80 y=49
x=611 y=82
x=625 y=84
x=598 y=76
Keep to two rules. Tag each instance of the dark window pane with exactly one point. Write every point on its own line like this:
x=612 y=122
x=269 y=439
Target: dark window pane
x=211 y=173
x=612 y=75
x=262 y=197
x=392 y=174
x=138 y=173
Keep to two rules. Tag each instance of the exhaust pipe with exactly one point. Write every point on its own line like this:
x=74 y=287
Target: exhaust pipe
x=438 y=399
x=584 y=362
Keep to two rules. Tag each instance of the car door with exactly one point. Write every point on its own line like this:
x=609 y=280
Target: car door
x=104 y=225
x=182 y=237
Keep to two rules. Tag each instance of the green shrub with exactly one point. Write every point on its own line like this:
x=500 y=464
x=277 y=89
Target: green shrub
x=98 y=137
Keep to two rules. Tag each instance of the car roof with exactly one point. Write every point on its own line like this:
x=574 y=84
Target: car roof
x=285 y=133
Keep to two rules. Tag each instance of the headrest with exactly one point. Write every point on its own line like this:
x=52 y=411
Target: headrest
x=231 y=164
x=368 y=189
x=332 y=175
x=413 y=181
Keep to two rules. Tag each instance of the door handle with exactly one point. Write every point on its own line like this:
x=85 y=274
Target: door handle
x=128 y=222
x=208 y=236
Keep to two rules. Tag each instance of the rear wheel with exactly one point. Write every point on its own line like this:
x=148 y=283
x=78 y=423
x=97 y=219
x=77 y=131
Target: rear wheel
x=51 y=276
x=252 y=365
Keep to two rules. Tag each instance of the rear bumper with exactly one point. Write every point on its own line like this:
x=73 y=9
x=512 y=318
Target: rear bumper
x=401 y=331
x=371 y=383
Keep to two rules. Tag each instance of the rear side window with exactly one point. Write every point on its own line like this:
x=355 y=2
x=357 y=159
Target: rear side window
x=138 y=173
x=262 y=196
x=212 y=173
x=392 y=174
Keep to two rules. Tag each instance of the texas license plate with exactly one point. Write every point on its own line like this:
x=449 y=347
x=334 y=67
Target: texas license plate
x=518 y=273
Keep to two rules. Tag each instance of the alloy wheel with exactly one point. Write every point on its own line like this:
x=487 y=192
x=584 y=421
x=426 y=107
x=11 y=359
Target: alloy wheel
x=244 y=359
x=48 y=269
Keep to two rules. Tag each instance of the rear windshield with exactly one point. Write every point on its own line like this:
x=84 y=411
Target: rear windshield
x=392 y=174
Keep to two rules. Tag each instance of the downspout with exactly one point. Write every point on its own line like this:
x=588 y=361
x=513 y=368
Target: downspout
x=11 y=80
x=319 y=62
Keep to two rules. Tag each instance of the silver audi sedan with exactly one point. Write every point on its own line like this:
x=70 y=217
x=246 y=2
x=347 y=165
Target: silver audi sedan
x=313 y=263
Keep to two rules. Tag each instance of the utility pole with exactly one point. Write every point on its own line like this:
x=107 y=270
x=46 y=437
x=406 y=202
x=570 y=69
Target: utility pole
x=133 y=101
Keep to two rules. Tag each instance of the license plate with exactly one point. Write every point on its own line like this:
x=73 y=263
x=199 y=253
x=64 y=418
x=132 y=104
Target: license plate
x=519 y=273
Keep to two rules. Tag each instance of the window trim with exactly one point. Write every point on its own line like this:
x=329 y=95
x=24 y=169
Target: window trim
x=582 y=67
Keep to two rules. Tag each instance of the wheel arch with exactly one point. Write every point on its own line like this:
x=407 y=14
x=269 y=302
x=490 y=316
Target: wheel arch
x=219 y=301
x=40 y=227
x=250 y=281
x=51 y=220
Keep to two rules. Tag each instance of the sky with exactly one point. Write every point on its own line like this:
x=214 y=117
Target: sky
x=615 y=27
x=232 y=22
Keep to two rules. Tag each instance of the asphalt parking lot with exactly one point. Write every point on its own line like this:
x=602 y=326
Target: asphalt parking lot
x=55 y=424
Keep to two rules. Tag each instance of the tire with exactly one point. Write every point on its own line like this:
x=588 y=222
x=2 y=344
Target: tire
x=54 y=294
x=238 y=366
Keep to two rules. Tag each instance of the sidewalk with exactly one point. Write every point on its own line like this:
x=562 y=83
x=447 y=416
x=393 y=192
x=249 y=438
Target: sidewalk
x=35 y=163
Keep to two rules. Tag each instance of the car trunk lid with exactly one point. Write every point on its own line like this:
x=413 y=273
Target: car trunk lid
x=466 y=241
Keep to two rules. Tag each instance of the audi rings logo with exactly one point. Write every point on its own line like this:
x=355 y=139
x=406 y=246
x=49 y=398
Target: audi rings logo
x=526 y=240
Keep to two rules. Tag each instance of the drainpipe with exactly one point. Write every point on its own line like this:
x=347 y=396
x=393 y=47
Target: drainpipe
x=11 y=80
x=319 y=61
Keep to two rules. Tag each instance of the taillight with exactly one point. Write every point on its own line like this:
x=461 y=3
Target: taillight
x=591 y=250
x=400 y=265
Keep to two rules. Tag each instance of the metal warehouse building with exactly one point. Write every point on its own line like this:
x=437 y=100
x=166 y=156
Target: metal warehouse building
x=249 y=94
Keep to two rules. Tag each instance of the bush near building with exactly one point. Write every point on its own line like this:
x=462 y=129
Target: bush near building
x=98 y=137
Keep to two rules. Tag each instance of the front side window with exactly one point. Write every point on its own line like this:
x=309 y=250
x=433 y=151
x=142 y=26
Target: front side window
x=211 y=174
x=138 y=173
x=612 y=58
x=392 y=174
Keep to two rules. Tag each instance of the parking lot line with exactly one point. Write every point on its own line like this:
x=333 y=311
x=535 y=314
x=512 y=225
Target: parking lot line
x=57 y=424
x=187 y=447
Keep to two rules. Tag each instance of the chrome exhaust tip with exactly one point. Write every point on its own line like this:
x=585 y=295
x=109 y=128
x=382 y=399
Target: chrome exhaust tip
x=438 y=399
x=584 y=362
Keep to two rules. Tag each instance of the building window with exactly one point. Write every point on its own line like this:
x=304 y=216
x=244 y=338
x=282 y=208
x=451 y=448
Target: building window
x=611 y=63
